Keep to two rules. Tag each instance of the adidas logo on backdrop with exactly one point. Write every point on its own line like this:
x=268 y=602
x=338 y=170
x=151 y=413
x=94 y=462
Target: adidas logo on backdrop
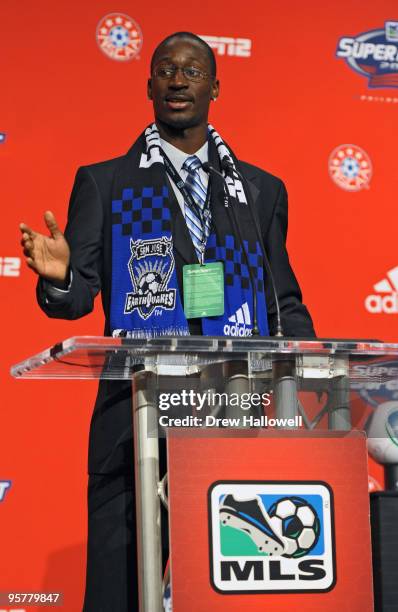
x=240 y=323
x=386 y=298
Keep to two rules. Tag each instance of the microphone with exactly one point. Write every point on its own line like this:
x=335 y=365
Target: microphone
x=228 y=168
x=208 y=168
x=235 y=226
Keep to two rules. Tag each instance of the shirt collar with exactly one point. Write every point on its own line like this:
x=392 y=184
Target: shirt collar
x=178 y=157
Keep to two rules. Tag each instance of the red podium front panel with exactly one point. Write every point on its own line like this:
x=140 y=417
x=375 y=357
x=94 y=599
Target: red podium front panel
x=277 y=521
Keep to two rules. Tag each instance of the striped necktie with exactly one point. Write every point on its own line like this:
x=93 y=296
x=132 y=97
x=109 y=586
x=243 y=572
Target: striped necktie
x=199 y=227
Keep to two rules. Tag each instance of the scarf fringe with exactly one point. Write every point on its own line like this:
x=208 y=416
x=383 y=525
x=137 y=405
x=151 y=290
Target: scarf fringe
x=154 y=332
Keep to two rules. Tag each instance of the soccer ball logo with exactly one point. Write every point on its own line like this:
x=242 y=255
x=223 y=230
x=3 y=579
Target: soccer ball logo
x=382 y=430
x=289 y=528
x=350 y=167
x=297 y=523
x=119 y=37
x=149 y=283
x=150 y=277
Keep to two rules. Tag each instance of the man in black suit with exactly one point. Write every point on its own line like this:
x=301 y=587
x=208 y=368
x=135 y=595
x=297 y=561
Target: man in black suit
x=73 y=267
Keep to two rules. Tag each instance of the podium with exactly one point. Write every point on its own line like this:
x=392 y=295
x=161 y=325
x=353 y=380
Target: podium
x=267 y=487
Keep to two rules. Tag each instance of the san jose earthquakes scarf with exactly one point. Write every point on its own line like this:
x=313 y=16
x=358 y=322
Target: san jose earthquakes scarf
x=146 y=299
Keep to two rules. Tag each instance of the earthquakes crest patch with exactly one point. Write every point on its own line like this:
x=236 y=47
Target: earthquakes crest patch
x=150 y=266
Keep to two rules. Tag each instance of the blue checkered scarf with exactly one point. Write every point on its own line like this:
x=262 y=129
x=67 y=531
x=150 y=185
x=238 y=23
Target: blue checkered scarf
x=145 y=297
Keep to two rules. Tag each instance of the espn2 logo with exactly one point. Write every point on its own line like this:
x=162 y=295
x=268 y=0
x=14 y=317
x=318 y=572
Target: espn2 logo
x=10 y=266
x=275 y=536
x=223 y=45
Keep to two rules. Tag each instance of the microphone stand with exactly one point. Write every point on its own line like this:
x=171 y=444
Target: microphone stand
x=228 y=167
x=235 y=226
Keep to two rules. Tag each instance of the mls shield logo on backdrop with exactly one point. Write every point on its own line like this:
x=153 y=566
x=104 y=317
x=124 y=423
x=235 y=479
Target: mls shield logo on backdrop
x=271 y=536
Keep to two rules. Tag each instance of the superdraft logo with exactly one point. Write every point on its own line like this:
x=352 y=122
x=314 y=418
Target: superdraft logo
x=385 y=298
x=273 y=536
x=375 y=382
x=373 y=54
x=119 y=37
x=225 y=45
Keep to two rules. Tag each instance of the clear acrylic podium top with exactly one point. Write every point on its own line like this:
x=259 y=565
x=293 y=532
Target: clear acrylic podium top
x=364 y=362
x=354 y=376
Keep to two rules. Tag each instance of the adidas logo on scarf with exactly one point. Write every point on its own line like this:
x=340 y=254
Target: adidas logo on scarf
x=241 y=323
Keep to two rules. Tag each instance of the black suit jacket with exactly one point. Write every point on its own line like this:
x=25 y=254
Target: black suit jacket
x=88 y=233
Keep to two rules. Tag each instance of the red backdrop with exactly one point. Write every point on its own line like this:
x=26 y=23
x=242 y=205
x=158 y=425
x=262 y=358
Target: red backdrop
x=65 y=103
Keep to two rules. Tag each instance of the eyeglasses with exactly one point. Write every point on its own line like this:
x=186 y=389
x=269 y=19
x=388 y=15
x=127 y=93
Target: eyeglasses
x=190 y=72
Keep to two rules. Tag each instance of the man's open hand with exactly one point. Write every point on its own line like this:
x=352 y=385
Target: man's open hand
x=49 y=255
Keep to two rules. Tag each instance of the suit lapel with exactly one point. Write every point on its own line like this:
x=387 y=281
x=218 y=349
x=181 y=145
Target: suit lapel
x=254 y=191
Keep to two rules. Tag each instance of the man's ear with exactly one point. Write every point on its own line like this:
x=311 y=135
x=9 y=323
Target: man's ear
x=215 y=89
x=149 y=89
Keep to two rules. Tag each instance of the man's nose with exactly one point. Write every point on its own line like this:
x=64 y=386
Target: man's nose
x=178 y=79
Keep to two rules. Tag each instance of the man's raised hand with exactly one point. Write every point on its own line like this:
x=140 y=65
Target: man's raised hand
x=48 y=256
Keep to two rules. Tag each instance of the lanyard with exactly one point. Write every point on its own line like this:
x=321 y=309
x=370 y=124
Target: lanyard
x=177 y=180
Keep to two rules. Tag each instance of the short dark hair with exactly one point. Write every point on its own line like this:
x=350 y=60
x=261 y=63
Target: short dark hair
x=190 y=36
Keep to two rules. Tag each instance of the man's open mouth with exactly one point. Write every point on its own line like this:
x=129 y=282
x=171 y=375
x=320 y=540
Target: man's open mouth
x=178 y=103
